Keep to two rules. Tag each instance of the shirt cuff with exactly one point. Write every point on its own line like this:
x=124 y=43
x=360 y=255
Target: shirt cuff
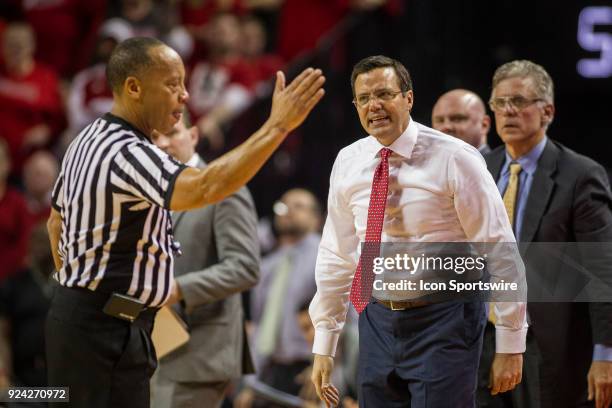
x=602 y=353
x=325 y=343
x=510 y=341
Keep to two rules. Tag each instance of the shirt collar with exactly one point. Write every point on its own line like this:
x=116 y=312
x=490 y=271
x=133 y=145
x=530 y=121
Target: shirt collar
x=403 y=145
x=529 y=161
x=193 y=162
x=116 y=119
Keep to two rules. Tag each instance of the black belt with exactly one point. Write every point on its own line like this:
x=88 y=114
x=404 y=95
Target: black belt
x=69 y=296
x=402 y=304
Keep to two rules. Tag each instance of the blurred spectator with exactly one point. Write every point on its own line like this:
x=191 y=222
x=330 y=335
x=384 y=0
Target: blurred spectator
x=287 y=282
x=32 y=113
x=222 y=85
x=146 y=18
x=254 y=40
x=265 y=235
x=220 y=260
x=13 y=220
x=24 y=302
x=90 y=96
x=196 y=14
x=462 y=114
x=65 y=30
x=39 y=174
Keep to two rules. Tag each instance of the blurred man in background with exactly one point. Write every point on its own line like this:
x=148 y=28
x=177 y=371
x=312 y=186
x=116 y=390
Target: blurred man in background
x=32 y=114
x=220 y=259
x=221 y=85
x=24 y=303
x=461 y=113
x=551 y=194
x=287 y=282
x=13 y=220
x=39 y=174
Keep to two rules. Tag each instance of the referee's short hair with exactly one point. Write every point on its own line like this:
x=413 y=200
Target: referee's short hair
x=129 y=58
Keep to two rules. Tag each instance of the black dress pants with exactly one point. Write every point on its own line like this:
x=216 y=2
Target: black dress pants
x=105 y=361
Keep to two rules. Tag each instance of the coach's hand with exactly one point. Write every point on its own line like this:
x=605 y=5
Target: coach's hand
x=506 y=372
x=599 y=381
x=291 y=104
x=322 y=368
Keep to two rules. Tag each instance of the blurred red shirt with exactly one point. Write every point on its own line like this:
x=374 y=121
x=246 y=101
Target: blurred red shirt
x=27 y=101
x=14 y=232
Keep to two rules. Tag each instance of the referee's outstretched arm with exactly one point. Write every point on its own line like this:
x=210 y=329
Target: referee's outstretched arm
x=290 y=106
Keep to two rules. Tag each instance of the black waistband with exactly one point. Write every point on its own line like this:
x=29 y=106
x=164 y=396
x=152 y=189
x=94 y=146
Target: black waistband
x=67 y=299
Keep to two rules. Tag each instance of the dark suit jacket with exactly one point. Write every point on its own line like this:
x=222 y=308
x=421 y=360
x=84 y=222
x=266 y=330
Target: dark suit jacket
x=569 y=201
x=220 y=259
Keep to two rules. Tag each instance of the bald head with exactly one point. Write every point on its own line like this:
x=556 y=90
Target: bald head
x=461 y=113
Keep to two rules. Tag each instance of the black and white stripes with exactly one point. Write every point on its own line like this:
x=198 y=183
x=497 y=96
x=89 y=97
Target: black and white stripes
x=113 y=193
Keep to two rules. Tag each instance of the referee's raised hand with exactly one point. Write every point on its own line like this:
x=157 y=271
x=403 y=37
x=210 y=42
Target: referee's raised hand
x=291 y=104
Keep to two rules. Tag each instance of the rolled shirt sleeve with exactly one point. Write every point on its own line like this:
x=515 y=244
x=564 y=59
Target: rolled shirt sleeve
x=335 y=267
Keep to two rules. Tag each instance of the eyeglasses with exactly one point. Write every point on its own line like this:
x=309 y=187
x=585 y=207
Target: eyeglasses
x=384 y=95
x=281 y=208
x=517 y=102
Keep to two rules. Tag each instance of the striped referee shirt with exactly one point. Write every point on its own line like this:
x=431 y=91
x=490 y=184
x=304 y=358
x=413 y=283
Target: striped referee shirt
x=113 y=193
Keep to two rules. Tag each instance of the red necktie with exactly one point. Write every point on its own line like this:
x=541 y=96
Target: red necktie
x=361 y=289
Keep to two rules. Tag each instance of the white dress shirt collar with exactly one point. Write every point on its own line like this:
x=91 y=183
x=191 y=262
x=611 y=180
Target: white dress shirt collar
x=403 y=145
x=193 y=162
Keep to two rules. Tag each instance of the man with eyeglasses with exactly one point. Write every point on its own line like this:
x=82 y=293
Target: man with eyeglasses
x=552 y=194
x=461 y=113
x=407 y=183
x=280 y=351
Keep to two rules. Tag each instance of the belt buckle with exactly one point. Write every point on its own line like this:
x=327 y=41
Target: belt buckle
x=396 y=308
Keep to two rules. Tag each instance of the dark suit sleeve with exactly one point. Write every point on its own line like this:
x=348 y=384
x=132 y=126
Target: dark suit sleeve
x=593 y=223
x=235 y=232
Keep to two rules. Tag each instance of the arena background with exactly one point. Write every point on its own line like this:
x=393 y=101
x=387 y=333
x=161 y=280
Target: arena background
x=445 y=44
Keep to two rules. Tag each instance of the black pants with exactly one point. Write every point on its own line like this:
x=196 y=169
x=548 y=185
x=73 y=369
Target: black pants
x=105 y=361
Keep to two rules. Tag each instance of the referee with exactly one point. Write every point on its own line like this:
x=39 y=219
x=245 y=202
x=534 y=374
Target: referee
x=110 y=227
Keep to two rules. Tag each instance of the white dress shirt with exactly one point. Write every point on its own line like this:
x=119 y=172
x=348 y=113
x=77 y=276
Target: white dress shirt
x=439 y=191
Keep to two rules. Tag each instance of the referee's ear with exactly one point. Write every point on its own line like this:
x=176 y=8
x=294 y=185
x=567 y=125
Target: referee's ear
x=132 y=88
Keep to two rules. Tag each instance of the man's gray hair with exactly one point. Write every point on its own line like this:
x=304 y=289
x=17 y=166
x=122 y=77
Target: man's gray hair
x=527 y=69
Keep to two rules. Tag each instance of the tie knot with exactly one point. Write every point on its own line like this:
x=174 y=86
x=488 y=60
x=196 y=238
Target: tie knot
x=385 y=153
x=515 y=169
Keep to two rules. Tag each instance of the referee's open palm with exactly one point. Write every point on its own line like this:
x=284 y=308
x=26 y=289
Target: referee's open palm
x=291 y=104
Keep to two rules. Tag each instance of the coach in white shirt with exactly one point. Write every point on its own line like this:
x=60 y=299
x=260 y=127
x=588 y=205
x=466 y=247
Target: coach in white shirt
x=434 y=188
